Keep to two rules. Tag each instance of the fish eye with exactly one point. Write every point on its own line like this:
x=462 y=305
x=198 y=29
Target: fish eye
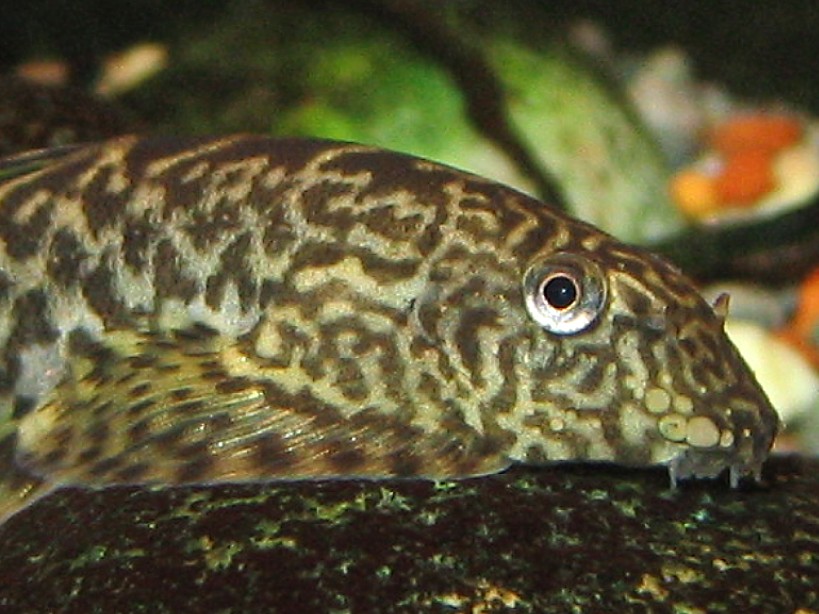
x=564 y=293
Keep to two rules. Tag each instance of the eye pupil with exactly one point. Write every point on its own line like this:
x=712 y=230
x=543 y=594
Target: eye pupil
x=560 y=292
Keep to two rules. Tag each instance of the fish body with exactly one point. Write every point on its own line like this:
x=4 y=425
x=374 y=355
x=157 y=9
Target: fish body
x=248 y=309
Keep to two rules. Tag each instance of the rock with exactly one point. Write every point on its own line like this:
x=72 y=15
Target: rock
x=582 y=537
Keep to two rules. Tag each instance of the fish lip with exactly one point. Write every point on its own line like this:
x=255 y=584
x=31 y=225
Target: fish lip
x=754 y=430
x=696 y=463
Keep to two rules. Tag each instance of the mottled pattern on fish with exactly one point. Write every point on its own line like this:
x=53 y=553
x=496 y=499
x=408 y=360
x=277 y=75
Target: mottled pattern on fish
x=198 y=311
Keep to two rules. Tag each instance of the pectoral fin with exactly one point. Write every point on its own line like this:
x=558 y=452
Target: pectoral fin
x=18 y=488
x=143 y=407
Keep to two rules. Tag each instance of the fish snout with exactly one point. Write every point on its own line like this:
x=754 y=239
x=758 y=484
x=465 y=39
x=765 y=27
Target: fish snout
x=734 y=431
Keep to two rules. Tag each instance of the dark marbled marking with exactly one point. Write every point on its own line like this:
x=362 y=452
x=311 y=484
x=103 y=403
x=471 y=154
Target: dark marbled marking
x=394 y=172
x=350 y=379
x=135 y=410
x=209 y=228
x=23 y=405
x=100 y=291
x=194 y=470
x=404 y=463
x=343 y=458
x=235 y=267
x=270 y=452
x=53 y=459
x=138 y=236
x=90 y=454
x=143 y=361
x=140 y=390
x=66 y=256
x=6 y=285
x=104 y=207
x=32 y=320
x=98 y=432
x=133 y=472
x=24 y=240
x=233 y=385
x=104 y=466
x=466 y=339
x=169 y=279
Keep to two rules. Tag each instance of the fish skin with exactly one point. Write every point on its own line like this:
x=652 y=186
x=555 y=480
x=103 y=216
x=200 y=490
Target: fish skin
x=191 y=311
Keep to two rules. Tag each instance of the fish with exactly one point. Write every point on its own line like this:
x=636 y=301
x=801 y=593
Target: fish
x=178 y=311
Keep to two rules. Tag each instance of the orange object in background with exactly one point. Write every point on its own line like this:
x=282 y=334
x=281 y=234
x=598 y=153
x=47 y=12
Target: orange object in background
x=801 y=331
x=806 y=320
x=694 y=193
x=746 y=177
x=747 y=147
x=758 y=131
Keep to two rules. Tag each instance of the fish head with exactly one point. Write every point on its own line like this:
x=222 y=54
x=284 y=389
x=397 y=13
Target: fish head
x=632 y=365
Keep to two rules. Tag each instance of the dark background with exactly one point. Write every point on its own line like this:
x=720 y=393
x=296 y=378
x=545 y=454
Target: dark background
x=756 y=48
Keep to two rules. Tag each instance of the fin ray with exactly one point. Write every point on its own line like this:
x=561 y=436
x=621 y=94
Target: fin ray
x=28 y=162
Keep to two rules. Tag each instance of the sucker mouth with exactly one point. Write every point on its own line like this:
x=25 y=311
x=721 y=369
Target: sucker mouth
x=694 y=463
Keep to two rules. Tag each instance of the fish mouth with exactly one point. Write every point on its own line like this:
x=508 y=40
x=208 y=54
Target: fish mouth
x=754 y=425
x=694 y=463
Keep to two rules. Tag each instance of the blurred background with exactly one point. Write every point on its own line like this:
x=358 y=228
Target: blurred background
x=691 y=129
